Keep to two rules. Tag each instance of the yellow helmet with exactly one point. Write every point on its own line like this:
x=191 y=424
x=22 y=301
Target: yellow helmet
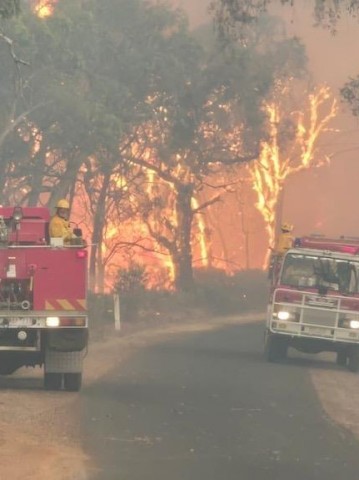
x=286 y=227
x=63 y=203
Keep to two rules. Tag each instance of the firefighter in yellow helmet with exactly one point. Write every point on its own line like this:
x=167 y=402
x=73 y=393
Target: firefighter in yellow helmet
x=59 y=224
x=285 y=239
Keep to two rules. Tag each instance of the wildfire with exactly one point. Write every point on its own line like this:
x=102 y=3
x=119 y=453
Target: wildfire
x=278 y=159
x=201 y=227
x=45 y=8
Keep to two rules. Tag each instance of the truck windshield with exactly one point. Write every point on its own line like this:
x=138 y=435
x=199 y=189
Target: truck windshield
x=320 y=272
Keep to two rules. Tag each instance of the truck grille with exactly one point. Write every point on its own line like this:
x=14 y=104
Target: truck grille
x=319 y=317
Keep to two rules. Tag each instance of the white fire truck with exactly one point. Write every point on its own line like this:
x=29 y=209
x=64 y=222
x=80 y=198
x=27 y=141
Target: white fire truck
x=314 y=300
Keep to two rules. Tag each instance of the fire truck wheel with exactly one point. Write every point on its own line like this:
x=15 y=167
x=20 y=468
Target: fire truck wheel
x=53 y=381
x=353 y=360
x=275 y=348
x=342 y=358
x=72 y=381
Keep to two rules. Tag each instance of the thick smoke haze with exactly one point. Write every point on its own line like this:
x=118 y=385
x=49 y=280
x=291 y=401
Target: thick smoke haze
x=320 y=200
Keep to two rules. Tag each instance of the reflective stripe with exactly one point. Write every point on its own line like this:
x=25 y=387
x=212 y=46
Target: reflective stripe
x=49 y=306
x=82 y=302
x=65 y=304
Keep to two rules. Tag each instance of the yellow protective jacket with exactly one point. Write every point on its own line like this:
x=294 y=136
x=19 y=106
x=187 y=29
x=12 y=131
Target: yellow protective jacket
x=59 y=227
x=285 y=242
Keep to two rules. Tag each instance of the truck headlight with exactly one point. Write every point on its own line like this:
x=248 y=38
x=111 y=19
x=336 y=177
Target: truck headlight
x=52 y=321
x=287 y=314
x=283 y=315
x=354 y=324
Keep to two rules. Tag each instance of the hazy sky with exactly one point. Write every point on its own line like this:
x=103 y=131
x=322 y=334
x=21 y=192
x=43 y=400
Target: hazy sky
x=331 y=193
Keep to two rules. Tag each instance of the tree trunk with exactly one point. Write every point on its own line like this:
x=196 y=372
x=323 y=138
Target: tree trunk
x=66 y=180
x=36 y=179
x=95 y=268
x=182 y=258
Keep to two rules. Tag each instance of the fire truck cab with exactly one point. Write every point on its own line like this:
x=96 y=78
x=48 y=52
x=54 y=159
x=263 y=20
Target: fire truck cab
x=43 y=285
x=314 y=300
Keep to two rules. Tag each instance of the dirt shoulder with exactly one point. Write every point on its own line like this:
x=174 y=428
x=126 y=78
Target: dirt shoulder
x=338 y=392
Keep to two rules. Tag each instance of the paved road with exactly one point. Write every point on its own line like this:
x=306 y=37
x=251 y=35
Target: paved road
x=206 y=406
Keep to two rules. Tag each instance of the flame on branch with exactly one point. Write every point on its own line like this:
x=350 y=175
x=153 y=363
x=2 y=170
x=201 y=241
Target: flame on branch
x=45 y=8
x=290 y=148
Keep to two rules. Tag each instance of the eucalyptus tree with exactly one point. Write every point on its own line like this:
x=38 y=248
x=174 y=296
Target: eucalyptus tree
x=110 y=82
x=327 y=13
x=207 y=117
x=232 y=16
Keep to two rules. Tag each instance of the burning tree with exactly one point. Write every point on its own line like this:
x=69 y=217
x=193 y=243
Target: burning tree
x=138 y=128
x=291 y=147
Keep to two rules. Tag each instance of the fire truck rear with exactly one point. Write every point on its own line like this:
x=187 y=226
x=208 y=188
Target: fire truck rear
x=314 y=300
x=43 y=284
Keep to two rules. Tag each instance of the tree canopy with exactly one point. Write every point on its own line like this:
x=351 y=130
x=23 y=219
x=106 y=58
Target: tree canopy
x=122 y=109
x=325 y=12
x=9 y=8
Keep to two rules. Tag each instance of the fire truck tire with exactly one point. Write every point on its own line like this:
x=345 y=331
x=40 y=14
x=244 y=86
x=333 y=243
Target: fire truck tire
x=353 y=360
x=52 y=381
x=72 y=381
x=275 y=348
x=342 y=358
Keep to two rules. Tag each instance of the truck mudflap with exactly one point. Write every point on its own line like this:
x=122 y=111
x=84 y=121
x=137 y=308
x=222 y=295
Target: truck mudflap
x=63 y=362
x=63 y=369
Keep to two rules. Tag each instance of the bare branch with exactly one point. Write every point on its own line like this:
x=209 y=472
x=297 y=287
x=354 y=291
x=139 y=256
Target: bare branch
x=10 y=44
x=204 y=205
x=14 y=123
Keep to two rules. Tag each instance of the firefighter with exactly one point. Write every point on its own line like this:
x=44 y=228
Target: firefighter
x=285 y=240
x=59 y=224
x=284 y=243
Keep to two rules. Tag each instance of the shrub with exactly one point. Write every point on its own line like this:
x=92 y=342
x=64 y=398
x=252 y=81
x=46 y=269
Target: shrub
x=215 y=293
x=223 y=294
x=131 y=285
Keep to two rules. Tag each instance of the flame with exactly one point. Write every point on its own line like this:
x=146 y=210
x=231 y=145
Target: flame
x=45 y=8
x=276 y=162
x=201 y=228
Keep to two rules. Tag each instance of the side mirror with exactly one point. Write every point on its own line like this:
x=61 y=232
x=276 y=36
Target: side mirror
x=78 y=232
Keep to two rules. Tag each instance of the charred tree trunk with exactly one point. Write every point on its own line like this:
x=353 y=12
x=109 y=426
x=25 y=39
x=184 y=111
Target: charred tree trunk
x=67 y=180
x=182 y=257
x=37 y=176
x=96 y=271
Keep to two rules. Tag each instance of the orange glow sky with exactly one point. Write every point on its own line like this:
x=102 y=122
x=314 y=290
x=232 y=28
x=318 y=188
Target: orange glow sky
x=321 y=199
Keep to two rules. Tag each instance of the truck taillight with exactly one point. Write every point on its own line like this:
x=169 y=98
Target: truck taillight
x=65 y=322
x=81 y=254
x=73 y=322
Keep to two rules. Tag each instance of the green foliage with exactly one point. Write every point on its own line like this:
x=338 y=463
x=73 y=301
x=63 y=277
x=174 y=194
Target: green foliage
x=9 y=8
x=350 y=93
x=325 y=12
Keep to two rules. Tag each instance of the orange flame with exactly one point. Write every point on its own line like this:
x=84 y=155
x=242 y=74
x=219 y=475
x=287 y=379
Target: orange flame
x=45 y=8
x=275 y=164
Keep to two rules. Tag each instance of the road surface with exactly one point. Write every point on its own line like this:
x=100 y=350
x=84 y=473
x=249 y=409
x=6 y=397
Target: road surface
x=205 y=406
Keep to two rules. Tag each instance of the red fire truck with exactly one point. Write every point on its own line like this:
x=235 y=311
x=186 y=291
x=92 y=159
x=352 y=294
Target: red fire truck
x=314 y=300
x=43 y=284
